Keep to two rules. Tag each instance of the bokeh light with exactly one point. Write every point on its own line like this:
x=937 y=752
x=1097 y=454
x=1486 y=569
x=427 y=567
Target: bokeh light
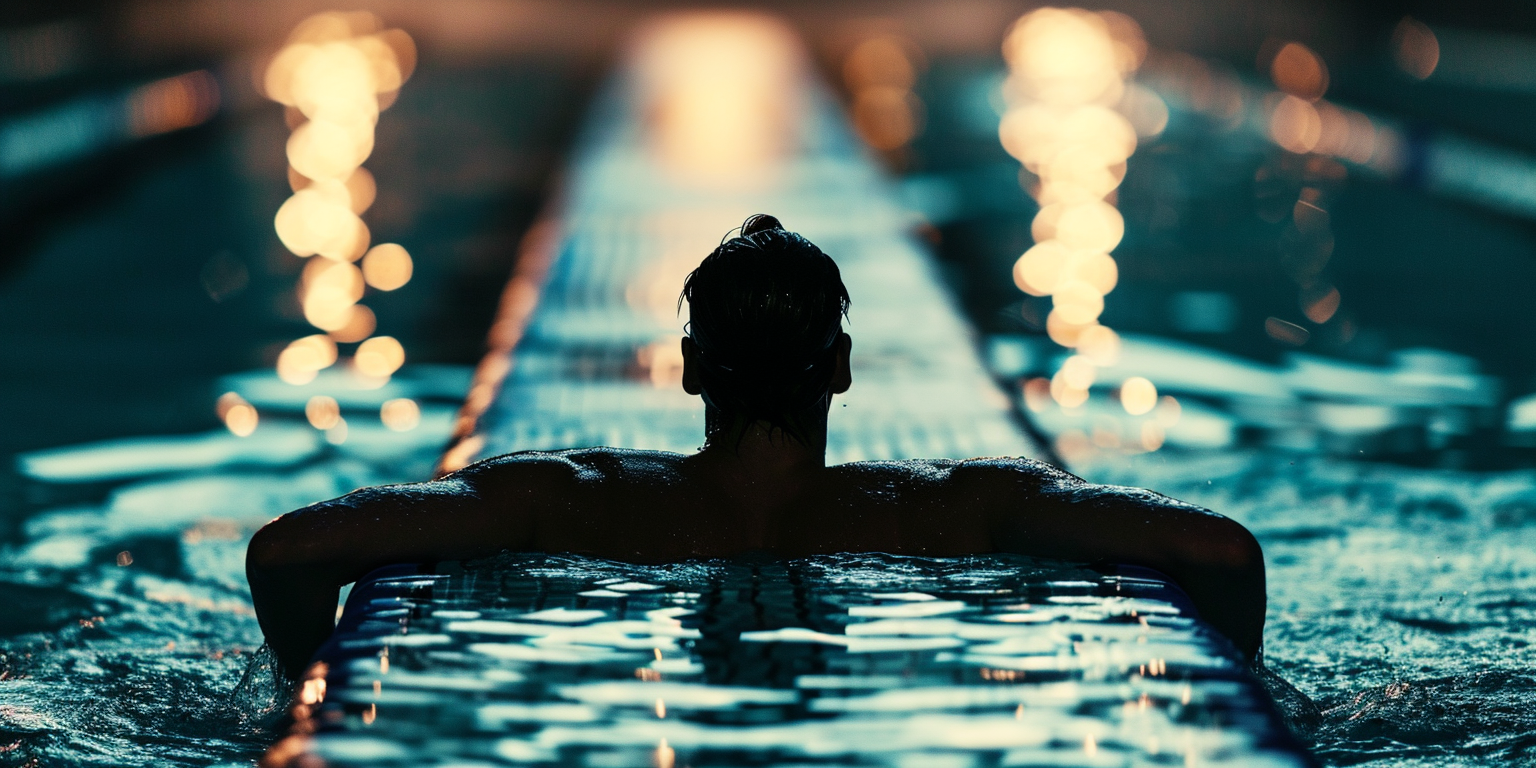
x=720 y=93
x=361 y=323
x=1073 y=122
x=1320 y=302
x=880 y=72
x=1415 y=48
x=401 y=414
x=239 y=416
x=1138 y=395
x=378 y=357
x=1300 y=72
x=302 y=359
x=387 y=266
x=322 y=411
x=1295 y=125
x=335 y=74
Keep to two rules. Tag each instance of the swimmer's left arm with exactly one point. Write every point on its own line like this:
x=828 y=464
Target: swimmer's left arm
x=297 y=564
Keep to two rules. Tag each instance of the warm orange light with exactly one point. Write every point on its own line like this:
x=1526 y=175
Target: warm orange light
x=1039 y=269
x=173 y=103
x=319 y=219
x=1362 y=139
x=720 y=93
x=664 y=362
x=1320 y=303
x=329 y=290
x=1096 y=269
x=1078 y=302
x=360 y=325
x=879 y=61
x=241 y=419
x=1152 y=436
x=1099 y=344
x=330 y=149
x=379 y=356
x=302 y=358
x=1064 y=56
x=335 y=81
x=401 y=414
x=1078 y=372
x=225 y=402
x=1065 y=394
x=1415 y=48
x=337 y=433
x=361 y=189
x=1145 y=110
x=387 y=266
x=886 y=117
x=1078 y=174
x=1295 y=125
x=1037 y=394
x=322 y=411
x=1091 y=226
x=1297 y=70
x=665 y=756
x=1334 y=127
x=1137 y=395
x=1067 y=68
x=1063 y=332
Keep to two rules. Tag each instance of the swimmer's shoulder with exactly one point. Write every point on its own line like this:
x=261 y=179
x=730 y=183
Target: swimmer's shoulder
x=569 y=469
x=1013 y=474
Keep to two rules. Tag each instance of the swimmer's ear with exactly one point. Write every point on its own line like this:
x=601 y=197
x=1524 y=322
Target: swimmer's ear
x=691 y=367
x=842 y=377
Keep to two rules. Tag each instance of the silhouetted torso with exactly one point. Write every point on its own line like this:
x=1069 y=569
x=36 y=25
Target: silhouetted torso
x=655 y=506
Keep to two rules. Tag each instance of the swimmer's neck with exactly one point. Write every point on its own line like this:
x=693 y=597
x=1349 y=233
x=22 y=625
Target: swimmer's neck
x=753 y=456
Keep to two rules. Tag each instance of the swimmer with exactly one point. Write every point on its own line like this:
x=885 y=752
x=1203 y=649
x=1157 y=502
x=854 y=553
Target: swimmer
x=766 y=351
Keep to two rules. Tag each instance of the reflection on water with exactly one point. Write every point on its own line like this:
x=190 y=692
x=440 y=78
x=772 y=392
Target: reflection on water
x=127 y=622
x=857 y=659
x=1399 y=601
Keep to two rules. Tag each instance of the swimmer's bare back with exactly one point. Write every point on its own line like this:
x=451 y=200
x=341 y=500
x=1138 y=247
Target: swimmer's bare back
x=651 y=507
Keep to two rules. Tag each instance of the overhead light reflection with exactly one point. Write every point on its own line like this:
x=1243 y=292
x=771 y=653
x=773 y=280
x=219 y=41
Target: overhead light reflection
x=387 y=266
x=400 y=414
x=378 y=357
x=1298 y=71
x=322 y=411
x=880 y=73
x=1068 y=71
x=1415 y=48
x=335 y=74
x=720 y=93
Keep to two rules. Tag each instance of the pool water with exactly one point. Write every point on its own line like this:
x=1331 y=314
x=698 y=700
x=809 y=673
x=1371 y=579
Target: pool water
x=1400 y=602
x=841 y=660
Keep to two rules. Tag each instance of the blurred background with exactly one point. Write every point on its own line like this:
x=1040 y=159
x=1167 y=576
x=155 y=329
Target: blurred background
x=1329 y=203
x=1198 y=241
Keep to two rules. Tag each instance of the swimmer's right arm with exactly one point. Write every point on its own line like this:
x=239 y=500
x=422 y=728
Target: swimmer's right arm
x=297 y=564
x=1215 y=560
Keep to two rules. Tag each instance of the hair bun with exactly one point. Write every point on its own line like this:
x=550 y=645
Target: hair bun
x=760 y=222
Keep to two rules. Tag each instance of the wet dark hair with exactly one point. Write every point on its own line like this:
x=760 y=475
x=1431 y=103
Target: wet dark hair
x=765 y=312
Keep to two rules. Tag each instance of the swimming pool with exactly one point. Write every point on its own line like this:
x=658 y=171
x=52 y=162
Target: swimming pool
x=837 y=660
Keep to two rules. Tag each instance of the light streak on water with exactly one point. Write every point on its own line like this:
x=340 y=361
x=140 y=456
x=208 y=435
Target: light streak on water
x=1067 y=75
x=334 y=75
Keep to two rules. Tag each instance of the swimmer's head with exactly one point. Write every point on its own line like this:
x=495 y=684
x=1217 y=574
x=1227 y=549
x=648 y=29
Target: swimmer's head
x=765 y=335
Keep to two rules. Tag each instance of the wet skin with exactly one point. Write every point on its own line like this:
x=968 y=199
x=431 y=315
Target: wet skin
x=748 y=490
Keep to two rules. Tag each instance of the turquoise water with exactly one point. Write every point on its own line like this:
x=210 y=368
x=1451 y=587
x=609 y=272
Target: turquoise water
x=832 y=660
x=1399 y=601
